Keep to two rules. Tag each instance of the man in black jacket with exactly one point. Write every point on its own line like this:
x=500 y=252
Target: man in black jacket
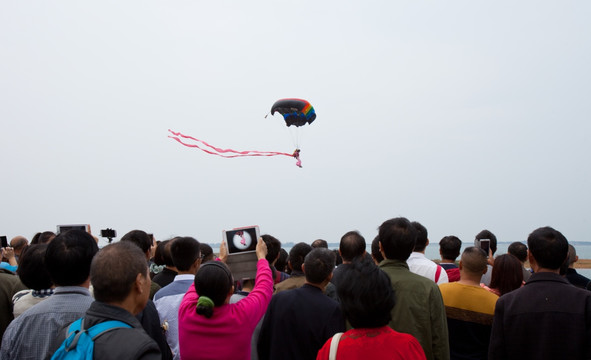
x=121 y=282
x=547 y=318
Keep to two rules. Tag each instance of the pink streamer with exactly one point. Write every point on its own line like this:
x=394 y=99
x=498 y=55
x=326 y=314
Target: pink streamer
x=219 y=151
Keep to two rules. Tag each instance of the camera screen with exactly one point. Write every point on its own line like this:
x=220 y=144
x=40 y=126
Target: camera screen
x=485 y=245
x=241 y=240
x=4 y=241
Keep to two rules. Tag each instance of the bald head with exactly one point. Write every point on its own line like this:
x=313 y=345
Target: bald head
x=18 y=243
x=474 y=260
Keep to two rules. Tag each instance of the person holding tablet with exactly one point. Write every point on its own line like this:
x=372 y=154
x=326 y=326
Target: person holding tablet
x=212 y=328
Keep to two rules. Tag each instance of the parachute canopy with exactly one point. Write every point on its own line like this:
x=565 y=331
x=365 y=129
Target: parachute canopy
x=296 y=112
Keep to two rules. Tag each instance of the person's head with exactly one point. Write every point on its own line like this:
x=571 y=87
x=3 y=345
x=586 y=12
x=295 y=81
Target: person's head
x=375 y=250
x=422 y=237
x=43 y=237
x=281 y=262
x=473 y=261
x=338 y=257
x=214 y=285
x=366 y=294
x=142 y=240
x=486 y=234
x=119 y=274
x=449 y=247
x=159 y=253
x=507 y=274
x=31 y=268
x=166 y=255
x=18 y=243
x=297 y=254
x=68 y=257
x=397 y=238
x=352 y=245
x=519 y=250
x=572 y=255
x=548 y=247
x=273 y=247
x=185 y=253
x=206 y=252
x=318 y=266
x=319 y=243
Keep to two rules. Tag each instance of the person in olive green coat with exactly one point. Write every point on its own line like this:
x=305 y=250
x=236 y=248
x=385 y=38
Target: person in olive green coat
x=419 y=309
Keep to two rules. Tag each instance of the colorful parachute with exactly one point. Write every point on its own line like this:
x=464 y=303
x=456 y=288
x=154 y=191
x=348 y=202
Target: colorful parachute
x=296 y=112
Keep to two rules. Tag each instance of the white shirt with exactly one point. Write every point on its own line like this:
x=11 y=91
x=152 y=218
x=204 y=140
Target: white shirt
x=420 y=265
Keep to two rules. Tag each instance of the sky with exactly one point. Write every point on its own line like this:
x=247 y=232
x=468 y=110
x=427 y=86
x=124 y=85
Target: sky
x=462 y=115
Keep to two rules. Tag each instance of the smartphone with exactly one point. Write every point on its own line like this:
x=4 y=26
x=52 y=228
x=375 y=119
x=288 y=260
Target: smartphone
x=64 y=228
x=4 y=241
x=109 y=233
x=240 y=240
x=485 y=245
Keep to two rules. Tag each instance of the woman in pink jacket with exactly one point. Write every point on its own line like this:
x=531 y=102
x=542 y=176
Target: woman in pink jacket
x=210 y=327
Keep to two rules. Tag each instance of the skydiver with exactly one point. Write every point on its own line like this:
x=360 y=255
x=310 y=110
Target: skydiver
x=296 y=155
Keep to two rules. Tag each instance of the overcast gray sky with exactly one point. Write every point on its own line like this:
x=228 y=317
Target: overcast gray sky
x=462 y=115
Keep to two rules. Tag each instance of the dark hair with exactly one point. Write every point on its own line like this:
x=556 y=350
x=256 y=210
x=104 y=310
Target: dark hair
x=282 y=260
x=375 y=250
x=397 y=237
x=474 y=260
x=352 y=245
x=507 y=274
x=68 y=257
x=297 y=254
x=450 y=246
x=319 y=243
x=486 y=234
x=519 y=250
x=114 y=271
x=184 y=251
x=159 y=253
x=273 y=247
x=206 y=252
x=338 y=257
x=140 y=238
x=422 y=236
x=318 y=265
x=214 y=281
x=548 y=246
x=572 y=255
x=31 y=268
x=166 y=255
x=366 y=294
x=43 y=237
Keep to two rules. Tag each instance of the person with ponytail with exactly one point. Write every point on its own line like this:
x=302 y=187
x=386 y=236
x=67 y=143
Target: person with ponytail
x=212 y=328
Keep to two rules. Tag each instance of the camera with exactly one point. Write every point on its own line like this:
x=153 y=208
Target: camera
x=64 y=228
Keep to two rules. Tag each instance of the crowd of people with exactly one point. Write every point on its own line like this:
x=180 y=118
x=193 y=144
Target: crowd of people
x=176 y=299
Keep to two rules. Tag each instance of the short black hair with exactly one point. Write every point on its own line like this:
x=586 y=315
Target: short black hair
x=449 y=247
x=297 y=254
x=282 y=260
x=352 y=245
x=115 y=269
x=184 y=251
x=319 y=243
x=548 y=246
x=422 y=236
x=519 y=250
x=206 y=252
x=140 y=238
x=159 y=253
x=31 y=268
x=366 y=295
x=398 y=238
x=375 y=250
x=273 y=247
x=486 y=234
x=166 y=255
x=318 y=265
x=68 y=257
